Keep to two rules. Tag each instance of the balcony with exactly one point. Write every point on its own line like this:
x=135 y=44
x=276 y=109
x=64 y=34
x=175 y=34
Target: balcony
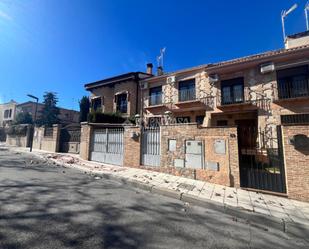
x=154 y=104
x=293 y=89
x=185 y=95
x=155 y=100
x=238 y=99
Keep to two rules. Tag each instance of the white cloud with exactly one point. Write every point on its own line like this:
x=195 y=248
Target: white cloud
x=5 y=16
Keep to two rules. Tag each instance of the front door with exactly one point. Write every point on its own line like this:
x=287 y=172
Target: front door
x=261 y=166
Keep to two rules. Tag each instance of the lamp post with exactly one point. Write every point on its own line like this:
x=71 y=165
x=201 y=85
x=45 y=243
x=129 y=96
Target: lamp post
x=34 y=119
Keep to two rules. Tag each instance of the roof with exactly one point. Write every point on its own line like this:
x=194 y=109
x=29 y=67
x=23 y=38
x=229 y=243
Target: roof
x=10 y=102
x=116 y=79
x=245 y=59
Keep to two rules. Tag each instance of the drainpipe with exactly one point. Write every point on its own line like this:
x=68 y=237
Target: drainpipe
x=137 y=93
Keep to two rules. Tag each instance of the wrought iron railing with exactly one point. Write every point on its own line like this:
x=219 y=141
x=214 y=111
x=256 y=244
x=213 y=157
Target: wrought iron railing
x=293 y=89
x=186 y=94
x=233 y=97
x=155 y=99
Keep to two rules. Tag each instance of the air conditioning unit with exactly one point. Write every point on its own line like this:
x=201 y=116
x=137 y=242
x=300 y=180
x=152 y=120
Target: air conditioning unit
x=170 y=80
x=213 y=78
x=144 y=85
x=267 y=68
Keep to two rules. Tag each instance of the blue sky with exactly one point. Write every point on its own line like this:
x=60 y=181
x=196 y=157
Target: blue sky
x=59 y=45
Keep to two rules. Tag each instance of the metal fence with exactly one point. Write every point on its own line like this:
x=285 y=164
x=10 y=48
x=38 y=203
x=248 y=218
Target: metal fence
x=151 y=146
x=107 y=145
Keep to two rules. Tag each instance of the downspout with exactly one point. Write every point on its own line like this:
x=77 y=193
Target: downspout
x=137 y=93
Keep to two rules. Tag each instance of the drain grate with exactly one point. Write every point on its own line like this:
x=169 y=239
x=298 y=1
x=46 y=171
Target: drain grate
x=186 y=186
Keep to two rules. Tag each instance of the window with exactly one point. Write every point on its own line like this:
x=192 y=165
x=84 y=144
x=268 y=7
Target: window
x=183 y=120
x=232 y=91
x=221 y=122
x=155 y=95
x=121 y=103
x=96 y=103
x=8 y=113
x=199 y=119
x=186 y=90
x=293 y=82
x=295 y=119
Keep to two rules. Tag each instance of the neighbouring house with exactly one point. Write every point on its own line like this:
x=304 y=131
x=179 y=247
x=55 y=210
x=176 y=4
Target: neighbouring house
x=119 y=94
x=7 y=113
x=66 y=116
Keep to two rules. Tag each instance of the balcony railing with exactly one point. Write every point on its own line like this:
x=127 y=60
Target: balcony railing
x=293 y=89
x=155 y=99
x=235 y=96
x=186 y=94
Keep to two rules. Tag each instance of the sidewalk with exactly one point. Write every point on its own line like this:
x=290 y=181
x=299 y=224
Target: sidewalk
x=266 y=210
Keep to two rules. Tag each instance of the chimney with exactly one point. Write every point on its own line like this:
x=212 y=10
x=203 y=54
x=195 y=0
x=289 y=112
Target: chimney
x=149 y=68
x=297 y=40
x=159 y=70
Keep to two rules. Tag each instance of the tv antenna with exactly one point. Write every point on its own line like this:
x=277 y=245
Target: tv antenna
x=306 y=14
x=284 y=14
x=160 y=57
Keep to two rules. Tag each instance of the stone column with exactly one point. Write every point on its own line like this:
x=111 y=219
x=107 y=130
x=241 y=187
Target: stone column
x=56 y=137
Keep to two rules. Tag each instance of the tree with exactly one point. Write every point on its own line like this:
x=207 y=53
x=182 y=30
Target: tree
x=50 y=111
x=23 y=118
x=84 y=106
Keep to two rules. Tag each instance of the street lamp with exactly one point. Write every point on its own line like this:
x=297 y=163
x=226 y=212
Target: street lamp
x=284 y=14
x=34 y=119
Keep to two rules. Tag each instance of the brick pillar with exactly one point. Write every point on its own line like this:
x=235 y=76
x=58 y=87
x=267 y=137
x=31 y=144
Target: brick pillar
x=132 y=146
x=85 y=139
x=296 y=161
x=234 y=159
x=56 y=137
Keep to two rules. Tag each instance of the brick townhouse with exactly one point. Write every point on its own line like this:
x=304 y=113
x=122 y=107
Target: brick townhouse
x=119 y=94
x=257 y=94
x=261 y=91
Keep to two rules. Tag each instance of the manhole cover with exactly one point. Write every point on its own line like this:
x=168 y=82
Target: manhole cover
x=186 y=186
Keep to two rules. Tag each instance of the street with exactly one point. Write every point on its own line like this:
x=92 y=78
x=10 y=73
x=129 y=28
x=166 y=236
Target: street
x=45 y=205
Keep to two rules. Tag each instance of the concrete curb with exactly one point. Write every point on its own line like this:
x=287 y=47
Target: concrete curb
x=257 y=220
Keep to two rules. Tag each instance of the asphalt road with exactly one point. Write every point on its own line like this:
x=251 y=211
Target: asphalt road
x=48 y=206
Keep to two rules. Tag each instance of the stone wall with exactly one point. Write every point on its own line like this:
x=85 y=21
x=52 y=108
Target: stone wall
x=228 y=173
x=19 y=140
x=296 y=162
x=47 y=143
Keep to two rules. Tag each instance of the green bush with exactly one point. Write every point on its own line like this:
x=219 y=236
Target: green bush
x=109 y=118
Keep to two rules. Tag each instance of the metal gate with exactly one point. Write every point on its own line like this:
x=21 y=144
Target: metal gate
x=261 y=165
x=107 y=145
x=70 y=138
x=151 y=146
